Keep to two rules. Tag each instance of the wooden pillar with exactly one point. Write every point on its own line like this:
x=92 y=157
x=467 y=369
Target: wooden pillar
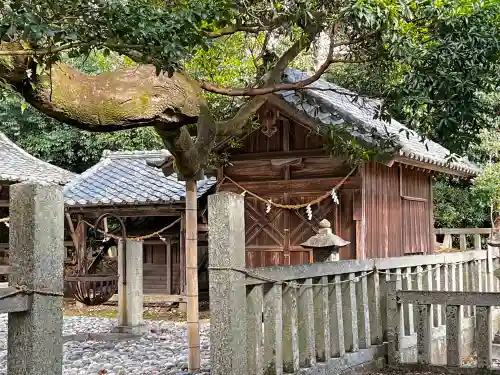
x=182 y=255
x=169 y=264
x=81 y=250
x=193 y=322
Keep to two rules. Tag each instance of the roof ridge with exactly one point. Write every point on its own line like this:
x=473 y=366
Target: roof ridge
x=331 y=103
x=4 y=138
x=134 y=154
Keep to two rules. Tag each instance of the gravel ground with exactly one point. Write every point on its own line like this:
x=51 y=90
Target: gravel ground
x=163 y=351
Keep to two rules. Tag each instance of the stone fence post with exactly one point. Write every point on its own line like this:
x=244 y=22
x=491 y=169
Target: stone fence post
x=36 y=255
x=226 y=252
x=130 y=287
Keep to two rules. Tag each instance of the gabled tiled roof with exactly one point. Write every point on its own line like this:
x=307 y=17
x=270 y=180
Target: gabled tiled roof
x=126 y=178
x=16 y=165
x=332 y=107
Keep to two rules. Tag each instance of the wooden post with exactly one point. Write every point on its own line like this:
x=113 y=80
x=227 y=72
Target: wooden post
x=182 y=251
x=169 y=264
x=193 y=321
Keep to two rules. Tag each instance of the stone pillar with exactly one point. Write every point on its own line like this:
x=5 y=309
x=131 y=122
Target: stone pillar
x=226 y=253
x=130 y=294
x=36 y=256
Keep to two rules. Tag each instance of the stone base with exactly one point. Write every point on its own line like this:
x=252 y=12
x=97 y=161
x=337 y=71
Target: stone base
x=495 y=352
x=182 y=307
x=131 y=330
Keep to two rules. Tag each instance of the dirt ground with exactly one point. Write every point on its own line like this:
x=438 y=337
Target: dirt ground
x=156 y=311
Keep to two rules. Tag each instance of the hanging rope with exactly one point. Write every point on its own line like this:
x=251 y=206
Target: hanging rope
x=139 y=238
x=355 y=279
x=5 y=220
x=328 y=194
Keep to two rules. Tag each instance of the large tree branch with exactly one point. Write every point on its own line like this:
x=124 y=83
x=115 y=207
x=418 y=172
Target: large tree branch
x=123 y=99
x=248 y=110
x=136 y=97
x=270 y=88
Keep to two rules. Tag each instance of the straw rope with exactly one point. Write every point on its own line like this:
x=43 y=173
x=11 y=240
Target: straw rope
x=318 y=200
x=355 y=279
x=138 y=238
x=5 y=220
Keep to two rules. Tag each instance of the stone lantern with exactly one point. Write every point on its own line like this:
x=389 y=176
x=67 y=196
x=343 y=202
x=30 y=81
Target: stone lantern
x=325 y=244
x=494 y=239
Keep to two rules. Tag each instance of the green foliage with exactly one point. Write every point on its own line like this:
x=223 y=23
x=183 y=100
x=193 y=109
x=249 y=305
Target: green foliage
x=487 y=184
x=228 y=64
x=466 y=205
x=164 y=31
x=441 y=70
x=457 y=205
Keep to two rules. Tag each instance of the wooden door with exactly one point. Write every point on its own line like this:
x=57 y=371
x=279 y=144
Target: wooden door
x=264 y=234
x=416 y=211
x=273 y=238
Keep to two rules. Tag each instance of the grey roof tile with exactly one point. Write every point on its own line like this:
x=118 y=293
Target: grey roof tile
x=127 y=178
x=335 y=108
x=17 y=165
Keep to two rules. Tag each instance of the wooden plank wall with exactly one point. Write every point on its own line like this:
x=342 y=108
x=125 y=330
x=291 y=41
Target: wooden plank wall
x=156 y=271
x=301 y=173
x=397 y=211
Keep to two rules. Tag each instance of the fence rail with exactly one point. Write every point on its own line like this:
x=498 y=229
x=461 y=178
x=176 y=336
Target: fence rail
x=277 y=320
x=464 y=237
x=455 y=303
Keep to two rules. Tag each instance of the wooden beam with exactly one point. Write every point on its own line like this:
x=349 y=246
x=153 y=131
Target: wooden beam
x=279 y=187
x=427 y=166
x=462 y=230
x=414 y=199
x=169 y=265
x=157 y=297
x=318 y=153
x=432 y=239
x=182 y=254
x=424 y=297
x=193 y=319
x=129 y=211
x=74 y=236
x=293 y=112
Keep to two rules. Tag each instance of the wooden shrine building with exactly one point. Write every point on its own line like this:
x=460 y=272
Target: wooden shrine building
x=18 y=166
x=128 y=185
x=384 y=210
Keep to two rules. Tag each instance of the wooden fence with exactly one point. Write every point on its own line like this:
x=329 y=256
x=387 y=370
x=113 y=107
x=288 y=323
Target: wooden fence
x=323 y=316
x=465 y=238
x=34 y=296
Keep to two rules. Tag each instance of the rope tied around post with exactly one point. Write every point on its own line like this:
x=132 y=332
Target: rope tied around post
x=24 y=290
